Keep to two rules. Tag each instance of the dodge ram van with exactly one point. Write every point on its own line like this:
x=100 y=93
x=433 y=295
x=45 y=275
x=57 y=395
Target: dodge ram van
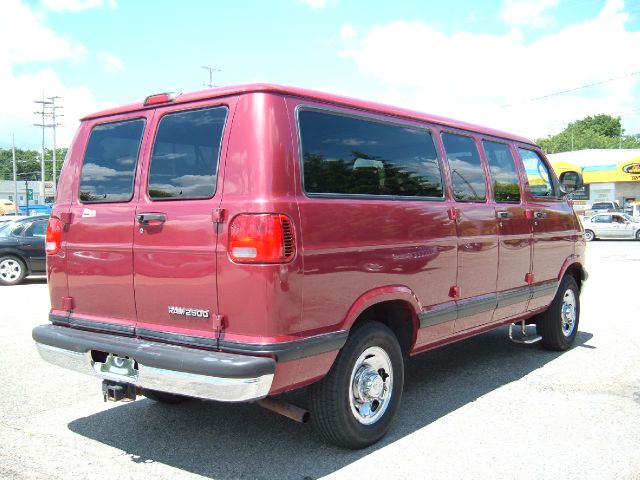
x=237 y=243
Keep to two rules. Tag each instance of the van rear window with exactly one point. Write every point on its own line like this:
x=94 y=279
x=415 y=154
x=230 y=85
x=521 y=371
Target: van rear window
x=357 y=156
x=109 y=164
x=184 y=163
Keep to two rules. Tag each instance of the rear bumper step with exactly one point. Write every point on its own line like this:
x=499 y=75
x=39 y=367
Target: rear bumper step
x=176 y=369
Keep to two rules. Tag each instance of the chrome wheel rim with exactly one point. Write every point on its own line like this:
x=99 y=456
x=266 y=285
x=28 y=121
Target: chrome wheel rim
x=588 y=236
x=568 y=313
x=10 y=270
x=371 y=385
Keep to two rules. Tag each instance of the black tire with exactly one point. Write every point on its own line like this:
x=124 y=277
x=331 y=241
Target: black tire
x=336 y=410
x=589 y=235
x=164 y=397
x=558 y=326
x=638 y=235
x=12 y=270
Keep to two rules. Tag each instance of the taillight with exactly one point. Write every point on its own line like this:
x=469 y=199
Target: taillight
x=261 y=238
x=53 y=240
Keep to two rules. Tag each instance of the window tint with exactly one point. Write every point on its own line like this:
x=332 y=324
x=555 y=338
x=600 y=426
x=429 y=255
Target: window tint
x=506 y=188
x=467 y=175
x=602 y=219
x=109 y=164
x=346 y=155
x=538 y=174
x=37 y=229
x=184 y=163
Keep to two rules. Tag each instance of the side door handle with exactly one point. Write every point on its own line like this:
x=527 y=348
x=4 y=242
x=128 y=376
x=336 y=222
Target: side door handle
x=151 y=218
x=539 y=214
x=502 y=215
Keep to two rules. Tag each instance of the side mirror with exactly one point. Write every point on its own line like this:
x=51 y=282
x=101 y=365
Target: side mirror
x=570 y=181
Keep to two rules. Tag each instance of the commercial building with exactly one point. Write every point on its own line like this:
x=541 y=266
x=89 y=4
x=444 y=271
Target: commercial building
x=609 y=175
x=7 y=190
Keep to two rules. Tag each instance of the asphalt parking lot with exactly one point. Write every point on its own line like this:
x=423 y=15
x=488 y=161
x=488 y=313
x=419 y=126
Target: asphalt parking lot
x=482 y=408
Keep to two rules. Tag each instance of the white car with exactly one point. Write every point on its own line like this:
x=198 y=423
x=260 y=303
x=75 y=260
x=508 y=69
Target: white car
x=611 y=225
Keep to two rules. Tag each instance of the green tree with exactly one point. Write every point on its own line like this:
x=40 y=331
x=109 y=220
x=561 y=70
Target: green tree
x=29 y=161
x=599 y=131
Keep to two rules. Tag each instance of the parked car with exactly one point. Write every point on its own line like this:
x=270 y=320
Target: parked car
x=7 y=207
x=611 y=225
x=22 y=253
x=241 y=242
x=603 y=207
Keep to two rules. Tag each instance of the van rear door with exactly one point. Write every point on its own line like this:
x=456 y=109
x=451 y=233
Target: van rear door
x=100 y=223
x=176 y=226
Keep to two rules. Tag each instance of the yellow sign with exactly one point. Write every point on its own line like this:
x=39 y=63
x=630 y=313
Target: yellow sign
x=628 y=171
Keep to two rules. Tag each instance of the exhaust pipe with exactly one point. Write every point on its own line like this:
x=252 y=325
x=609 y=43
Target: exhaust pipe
x=285 y=409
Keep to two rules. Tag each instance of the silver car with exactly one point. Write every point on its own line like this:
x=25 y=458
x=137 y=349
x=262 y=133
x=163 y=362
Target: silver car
x=611 y=225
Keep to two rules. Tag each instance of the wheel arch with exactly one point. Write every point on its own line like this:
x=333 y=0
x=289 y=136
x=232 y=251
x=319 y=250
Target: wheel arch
x=396 y=307
x=574 y=268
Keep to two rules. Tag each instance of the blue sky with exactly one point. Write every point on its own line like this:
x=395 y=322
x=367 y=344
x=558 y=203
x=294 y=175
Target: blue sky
x=481 y=64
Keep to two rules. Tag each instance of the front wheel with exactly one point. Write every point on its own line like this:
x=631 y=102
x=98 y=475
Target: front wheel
x=638 y=235
x=354 y=405
x=589 y=235
x=558 y=326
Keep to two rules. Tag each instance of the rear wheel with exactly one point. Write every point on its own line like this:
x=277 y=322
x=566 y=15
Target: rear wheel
x=354 y=405
x=164 y=397
x=589 y=235
x=558 y=326
x=12 y=270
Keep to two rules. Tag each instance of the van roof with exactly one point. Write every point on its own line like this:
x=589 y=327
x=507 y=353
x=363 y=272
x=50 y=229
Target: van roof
x=316 y=96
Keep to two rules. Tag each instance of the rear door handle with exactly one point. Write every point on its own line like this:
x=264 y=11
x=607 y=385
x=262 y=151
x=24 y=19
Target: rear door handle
x=502 y=215
x=151 y=218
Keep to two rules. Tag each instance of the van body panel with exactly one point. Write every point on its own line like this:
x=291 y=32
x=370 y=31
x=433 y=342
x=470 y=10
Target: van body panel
x=362 y=244
x=99 y=240
x=174 y=257
x=262 y=303
x=477 y=264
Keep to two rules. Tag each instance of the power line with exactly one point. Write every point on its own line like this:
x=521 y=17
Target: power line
x=562 y=92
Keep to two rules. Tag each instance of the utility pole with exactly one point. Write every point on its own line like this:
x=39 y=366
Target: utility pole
x=45 y=104
x=15 y=176
x=211 y=70
x=53 y=125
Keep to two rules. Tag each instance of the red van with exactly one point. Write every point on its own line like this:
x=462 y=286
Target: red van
x=237 y=243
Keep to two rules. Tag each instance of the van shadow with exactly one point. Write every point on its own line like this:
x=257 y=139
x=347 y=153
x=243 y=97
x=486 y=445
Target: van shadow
x=230 y=441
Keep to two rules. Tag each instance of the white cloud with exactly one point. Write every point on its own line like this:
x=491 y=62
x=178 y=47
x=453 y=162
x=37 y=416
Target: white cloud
x=531 y=13
x=315 y=4
x=348 y=32
x=24 y=38
x=110 y=63
x=474 y=76
x=76 y=5
x=25 y=41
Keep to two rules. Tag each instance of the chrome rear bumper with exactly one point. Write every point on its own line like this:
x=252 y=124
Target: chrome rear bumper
x=169 y=368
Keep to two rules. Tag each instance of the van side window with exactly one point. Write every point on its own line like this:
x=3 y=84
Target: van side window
x=540 y=182
x=348 y=155
x=506 y=188
x=184 y=162
x=109 y=164
x=467 y=175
